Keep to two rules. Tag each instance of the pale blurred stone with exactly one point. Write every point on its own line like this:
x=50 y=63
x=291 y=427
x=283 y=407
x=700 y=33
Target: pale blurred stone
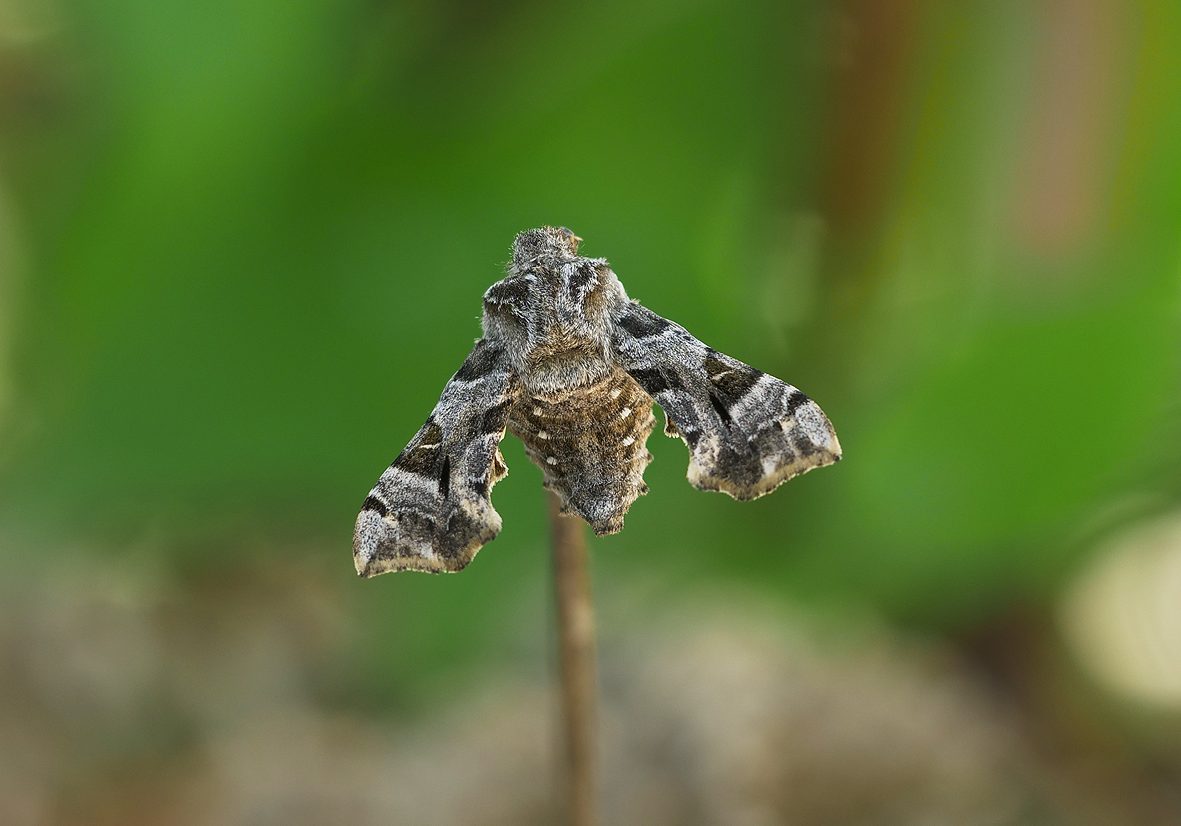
x=1122 y=615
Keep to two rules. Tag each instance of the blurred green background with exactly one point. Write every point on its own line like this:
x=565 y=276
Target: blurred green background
x=242 y=247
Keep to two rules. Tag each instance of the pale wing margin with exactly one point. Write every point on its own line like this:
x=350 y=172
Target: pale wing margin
x=747 y=431
x=431 y=510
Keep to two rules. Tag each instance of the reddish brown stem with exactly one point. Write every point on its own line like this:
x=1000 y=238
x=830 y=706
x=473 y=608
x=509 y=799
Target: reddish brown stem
x=576 y=653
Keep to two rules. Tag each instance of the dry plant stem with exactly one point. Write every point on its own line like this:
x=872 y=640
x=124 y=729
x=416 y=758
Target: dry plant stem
x=576 y=651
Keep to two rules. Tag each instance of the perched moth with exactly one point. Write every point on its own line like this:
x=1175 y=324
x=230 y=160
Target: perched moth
x=571 y=366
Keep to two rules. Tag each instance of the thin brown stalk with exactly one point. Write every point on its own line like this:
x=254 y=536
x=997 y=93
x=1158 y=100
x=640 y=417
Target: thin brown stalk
x=576 y=653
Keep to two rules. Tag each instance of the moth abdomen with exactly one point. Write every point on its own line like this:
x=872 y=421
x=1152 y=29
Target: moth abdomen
x=590 y=445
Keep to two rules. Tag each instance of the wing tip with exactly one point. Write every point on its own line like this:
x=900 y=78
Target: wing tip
x=379 y=548
x=774 y=475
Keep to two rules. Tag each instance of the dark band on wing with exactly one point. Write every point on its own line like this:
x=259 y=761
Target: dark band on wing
x=510 y=293
x=797 y=400
x=643 y=323
x=372 y=503
x=805 y=446
x=420 y=460
x=483 y=360
x=653 y=380
x=731 y=381
x=494 y=418
x=422 y=456
x=720 y=407
x=445 y=477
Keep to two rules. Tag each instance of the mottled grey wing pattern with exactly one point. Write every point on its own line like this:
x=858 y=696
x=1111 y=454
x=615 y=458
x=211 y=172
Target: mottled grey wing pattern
x=431 y=510
x=747 y=432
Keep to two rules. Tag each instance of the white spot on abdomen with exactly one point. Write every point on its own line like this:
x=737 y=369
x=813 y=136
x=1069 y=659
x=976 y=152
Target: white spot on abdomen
x=623 y=414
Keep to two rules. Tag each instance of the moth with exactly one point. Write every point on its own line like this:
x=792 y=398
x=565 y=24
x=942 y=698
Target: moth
x=571 y=366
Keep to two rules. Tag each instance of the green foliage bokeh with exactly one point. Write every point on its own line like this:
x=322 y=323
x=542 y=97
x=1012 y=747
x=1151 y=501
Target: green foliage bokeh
x=255 y=235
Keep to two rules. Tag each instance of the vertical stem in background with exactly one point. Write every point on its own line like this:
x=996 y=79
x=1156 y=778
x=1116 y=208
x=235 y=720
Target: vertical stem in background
x=576 y=661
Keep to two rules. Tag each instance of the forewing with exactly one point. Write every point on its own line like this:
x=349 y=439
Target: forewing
x=431 y=509
x=747 y=431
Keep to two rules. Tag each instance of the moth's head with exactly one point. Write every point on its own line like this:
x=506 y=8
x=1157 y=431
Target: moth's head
x=552 y=243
